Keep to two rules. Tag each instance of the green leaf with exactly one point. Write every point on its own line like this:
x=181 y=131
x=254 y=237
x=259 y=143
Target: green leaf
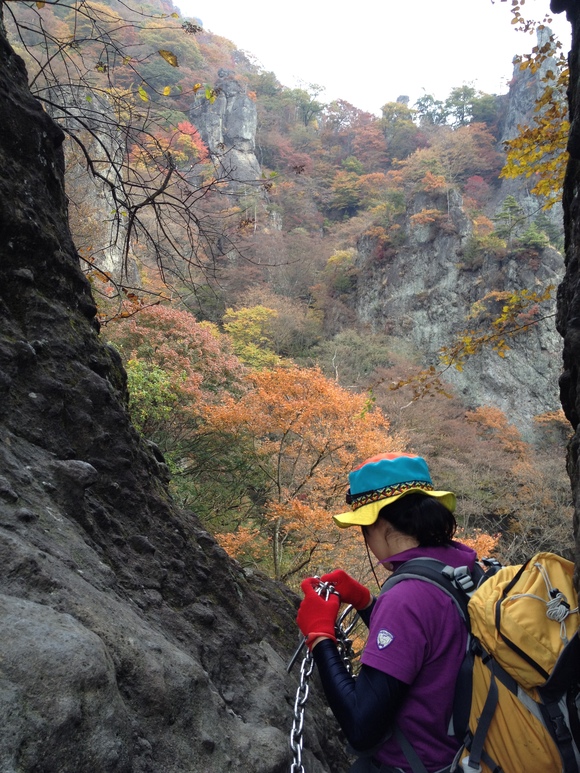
x=143 y=94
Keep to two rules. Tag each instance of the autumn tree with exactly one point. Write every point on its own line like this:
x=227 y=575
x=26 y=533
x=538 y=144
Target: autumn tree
x=296 y=326
x=305 y=433
x=175 y=365
x=534 y=510
x=402 y=135
x=250 y=332
x=459 y=105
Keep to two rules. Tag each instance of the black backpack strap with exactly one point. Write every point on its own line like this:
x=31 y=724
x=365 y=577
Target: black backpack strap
x=477 y=740
x=556 y=723
x=437 y=573
x=407 y=748
x=564 y=685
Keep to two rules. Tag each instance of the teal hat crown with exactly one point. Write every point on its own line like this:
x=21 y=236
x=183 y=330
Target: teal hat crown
x=388 y=475
x=383 y=479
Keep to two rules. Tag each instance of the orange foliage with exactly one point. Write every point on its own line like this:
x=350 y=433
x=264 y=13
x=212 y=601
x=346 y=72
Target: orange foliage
x=433 y=182
x=483 y=226
x=307 y=433
x=485 y=545
x=426 y=216
x=238 y=542
x=494 y=420
x=550 y=417
x=184 y=144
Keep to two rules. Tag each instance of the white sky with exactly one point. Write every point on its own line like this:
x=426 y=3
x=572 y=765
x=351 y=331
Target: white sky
x=369 y=52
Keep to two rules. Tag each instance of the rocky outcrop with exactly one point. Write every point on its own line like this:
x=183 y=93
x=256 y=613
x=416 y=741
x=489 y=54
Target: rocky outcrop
x=421 y=292
x=130 y=642
x=519 y=109
x=568 y=320
x=227 y=125
x=525 y=89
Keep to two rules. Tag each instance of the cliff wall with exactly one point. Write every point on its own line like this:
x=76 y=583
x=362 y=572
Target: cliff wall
x=568 y=319
x=228 y=125
x=421 y=292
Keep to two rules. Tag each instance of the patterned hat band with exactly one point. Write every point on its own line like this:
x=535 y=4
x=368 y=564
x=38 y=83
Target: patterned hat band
x=360 y=500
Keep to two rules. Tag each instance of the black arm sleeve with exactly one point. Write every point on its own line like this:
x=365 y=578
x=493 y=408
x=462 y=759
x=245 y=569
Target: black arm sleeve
x=365 y=614
x=363 y=706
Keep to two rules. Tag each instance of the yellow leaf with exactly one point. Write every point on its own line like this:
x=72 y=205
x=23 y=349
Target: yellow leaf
x=175 y=16
x=196 y=88
x=169 y=57
x=167 y=91
x=40 y=4
x=143 y=94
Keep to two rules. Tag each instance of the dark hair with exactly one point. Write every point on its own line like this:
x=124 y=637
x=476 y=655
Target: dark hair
x=422 y=517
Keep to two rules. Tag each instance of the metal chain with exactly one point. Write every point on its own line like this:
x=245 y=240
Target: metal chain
x=344 y=643
x=296 y=734
x=343 y=629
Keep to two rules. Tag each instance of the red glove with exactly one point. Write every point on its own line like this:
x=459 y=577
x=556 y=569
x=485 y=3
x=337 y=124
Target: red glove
x=316 y=615
x=349 y=590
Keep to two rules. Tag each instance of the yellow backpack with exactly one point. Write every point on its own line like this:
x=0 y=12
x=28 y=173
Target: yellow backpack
x=517 y=705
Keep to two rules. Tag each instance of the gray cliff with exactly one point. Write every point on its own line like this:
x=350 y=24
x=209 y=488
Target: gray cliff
x=526 y=88
x=421 y=293
x=228 y=127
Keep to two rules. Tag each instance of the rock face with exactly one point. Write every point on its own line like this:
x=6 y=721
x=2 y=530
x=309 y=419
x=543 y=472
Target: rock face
x=228 y=128
x=568 y=319
x=421 y=293
x=130 y=642
x=525 y=89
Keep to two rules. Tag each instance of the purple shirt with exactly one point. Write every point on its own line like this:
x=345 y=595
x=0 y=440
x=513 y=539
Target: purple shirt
x=416 y=635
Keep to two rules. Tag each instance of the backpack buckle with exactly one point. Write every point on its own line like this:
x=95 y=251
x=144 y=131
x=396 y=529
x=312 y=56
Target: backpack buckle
x=468 y=767
x=463 y=579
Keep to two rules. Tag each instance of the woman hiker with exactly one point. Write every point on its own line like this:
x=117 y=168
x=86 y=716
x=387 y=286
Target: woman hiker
x=403 y=694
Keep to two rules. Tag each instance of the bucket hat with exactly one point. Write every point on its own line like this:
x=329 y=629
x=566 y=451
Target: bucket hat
x=383 y=479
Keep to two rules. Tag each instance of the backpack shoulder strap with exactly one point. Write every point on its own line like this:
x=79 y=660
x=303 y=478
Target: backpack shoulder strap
x=457 y=583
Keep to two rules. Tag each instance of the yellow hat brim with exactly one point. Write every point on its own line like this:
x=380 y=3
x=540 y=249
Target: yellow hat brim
x=368 y=514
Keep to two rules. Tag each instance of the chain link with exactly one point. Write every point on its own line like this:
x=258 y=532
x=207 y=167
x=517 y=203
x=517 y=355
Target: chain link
x=296 y=735
x=343 y=629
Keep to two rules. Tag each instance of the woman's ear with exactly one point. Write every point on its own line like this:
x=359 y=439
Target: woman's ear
x=387 y=530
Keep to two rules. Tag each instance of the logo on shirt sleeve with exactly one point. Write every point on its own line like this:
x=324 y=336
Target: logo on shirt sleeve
x=384 y=638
